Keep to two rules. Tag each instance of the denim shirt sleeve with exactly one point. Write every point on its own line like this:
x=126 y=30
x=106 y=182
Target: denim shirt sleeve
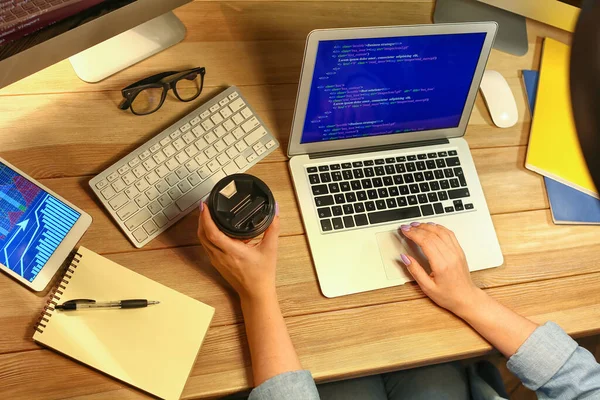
x=552 y=364
x=295 y=385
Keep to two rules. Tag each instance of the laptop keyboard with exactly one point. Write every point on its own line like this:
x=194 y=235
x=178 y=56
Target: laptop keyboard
x=375 y=191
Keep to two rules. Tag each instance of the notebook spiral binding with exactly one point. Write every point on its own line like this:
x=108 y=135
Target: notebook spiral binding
x=56 y=293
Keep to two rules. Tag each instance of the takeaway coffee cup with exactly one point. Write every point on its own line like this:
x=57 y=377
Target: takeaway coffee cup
x=242 y=206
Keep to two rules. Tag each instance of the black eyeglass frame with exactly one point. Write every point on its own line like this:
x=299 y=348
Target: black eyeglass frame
x=165 y=80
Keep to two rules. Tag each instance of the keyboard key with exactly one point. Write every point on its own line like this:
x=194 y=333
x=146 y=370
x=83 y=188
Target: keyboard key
x=400 y=168
x=213 y=165
x=346 y=165
x=390 y=160
x=419 y=177
x=241 y=163
x=325 y=177
x=134 y=162
x=348 y=209
x=108 y=193
x=431 y=155
x=428 y=175
x=380 y=204
x=439 y=174
x=382 y=192
x=337 y=223
x=131 y=192
x=430 y=164
x=411 y=158
x=370 y=205
x=140 y=235
x=323 y=168
x=432 y=197
x=246 y=113
x=123 y=169
x=393 y=191
x=336 y=176
x=119 y=185
x=194 y=179
x=421 y=166
x=237 y=105
x=335 y=167
x=339 y=198
x=165 y=200
x=347 y=174
x=145 y=154
x=350 y=197
x=445 y=184
x=414 y=188
x=162 y=186
x=149 y=164
x=458 y=193
x=390 y=203
x=334 y=187
x=377 y=182
x=443 y=196
x=400 y=159
x=412 y=200
x=452 y=153
x=394 y=215
x=359 y=207
x=372 y=194
x=356 y=185
x=380 y=161
x=254 y=136
x=326 y=225
x=348 y=221
x=337 y=210
x=139 y=171
x=458 y=205
x=452 y=161
x=369 y=172
x=223 y=158
x=358 y=173
x=322 y=201
x=150 y=227
x=357 y=164
x=422 y=156
x=410 y=167
x=422 y=198
x=424 y=187
x=440 y=163
x=112 y=176
x=324 y=212
x=390 y=170
x=401 y=202
x=141 y=201
x=344 y=186
x=171 y=211
x=427 y=210
x=127 y=211
x=231 y=169
x=155 y=207
x=379 y=171
x=403 y=189
x=314 y=179
x=138 y=219
x=438 y=208
x=172 y=179
x=469 y=206
x=152 y=193
x=184 y=186
x=442 y=154
x=454 y=183
x=160 y=220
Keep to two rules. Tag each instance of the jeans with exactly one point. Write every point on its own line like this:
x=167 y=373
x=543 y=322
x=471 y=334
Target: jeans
x=450 y=381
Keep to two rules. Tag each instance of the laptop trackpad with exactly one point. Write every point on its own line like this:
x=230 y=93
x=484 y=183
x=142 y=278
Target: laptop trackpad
x=391 y=245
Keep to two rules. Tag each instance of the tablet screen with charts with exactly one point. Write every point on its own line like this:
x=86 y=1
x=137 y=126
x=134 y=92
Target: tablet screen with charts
x=38 y=229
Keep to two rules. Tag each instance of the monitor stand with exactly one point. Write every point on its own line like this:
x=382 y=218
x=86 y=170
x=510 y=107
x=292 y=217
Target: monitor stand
x=512 y=28
x=119 y=52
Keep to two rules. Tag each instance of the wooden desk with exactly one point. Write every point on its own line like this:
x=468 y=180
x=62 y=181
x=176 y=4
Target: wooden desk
x=63 y=131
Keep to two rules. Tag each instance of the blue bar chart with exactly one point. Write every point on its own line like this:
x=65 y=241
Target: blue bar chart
x=32 y=224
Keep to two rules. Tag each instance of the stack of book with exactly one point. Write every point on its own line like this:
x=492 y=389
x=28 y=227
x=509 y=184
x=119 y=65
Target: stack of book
x=554 y=149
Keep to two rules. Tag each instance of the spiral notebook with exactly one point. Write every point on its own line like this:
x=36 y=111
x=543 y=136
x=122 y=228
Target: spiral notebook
x=152 y=348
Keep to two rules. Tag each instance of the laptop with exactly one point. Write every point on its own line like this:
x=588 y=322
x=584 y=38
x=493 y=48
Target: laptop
x=376 y=142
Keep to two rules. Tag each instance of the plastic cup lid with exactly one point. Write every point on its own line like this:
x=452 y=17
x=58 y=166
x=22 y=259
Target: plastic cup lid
x=242 y=206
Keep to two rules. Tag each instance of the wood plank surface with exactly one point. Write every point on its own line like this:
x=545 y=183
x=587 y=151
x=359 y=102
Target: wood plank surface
x=64 y=131
x=334 y=345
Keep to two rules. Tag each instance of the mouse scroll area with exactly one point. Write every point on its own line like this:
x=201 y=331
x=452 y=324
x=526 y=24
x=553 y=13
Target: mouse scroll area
x=391 y=245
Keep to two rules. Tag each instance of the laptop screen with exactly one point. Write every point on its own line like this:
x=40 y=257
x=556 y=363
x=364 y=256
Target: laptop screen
x=382 y=86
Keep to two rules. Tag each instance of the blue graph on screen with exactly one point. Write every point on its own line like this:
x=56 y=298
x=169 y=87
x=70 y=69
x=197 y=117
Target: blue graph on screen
x=32 y=224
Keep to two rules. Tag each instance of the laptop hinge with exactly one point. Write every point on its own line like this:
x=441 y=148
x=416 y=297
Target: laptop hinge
x=371 y=149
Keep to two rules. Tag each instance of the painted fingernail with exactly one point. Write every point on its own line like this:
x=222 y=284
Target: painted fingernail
x=201 y=206
x=405 y=228
x=276 y=209
x=405 y=259
x=415 y=223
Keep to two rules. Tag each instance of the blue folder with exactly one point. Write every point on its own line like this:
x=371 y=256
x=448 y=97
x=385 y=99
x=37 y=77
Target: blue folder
x=568 y=206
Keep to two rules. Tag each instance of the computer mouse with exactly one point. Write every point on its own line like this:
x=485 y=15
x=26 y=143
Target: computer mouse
x=499 y=99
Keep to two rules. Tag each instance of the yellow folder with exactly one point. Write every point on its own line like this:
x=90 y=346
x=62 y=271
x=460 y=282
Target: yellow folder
x=554 y=149
x=152 y=348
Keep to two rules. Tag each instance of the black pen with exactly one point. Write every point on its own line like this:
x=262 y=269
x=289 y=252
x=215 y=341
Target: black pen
x=80 y=304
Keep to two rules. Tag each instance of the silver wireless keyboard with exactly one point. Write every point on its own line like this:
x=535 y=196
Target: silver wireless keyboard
x=157 y=184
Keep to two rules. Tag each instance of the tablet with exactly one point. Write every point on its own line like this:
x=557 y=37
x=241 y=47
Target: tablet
x=38 y=228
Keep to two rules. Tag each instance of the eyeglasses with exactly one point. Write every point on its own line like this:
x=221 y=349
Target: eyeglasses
x=148 y=95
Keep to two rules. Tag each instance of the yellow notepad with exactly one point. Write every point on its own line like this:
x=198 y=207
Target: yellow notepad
x=553 y=144
x=151 y=348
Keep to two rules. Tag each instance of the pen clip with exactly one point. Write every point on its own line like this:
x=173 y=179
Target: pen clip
x=72 y=304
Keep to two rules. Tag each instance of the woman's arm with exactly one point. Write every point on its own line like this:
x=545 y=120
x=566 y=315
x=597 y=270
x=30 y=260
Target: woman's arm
x=545 y=358
x=451 y=287
x=250 y=270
